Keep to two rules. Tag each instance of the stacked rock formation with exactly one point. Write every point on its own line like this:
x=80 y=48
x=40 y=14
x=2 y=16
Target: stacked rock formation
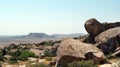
x=103 y=38
x=106 y=36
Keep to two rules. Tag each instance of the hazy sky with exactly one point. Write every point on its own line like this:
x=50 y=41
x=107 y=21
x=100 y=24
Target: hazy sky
x=54 y=16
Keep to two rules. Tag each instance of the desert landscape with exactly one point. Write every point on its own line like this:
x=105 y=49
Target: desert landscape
x=98 y=49
x=59 y=33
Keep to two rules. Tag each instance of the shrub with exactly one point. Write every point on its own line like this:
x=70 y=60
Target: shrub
x=22 y=58
x=22 y=55
x=50 y=43
x=88 y=63
x=46 y=52
x=25 y=54
x=12 y=60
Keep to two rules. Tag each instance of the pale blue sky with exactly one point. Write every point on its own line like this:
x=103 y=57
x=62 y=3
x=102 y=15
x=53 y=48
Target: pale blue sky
x=54 y=16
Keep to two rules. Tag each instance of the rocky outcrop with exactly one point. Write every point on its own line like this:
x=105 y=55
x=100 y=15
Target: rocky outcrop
x=103 y=38
x=94 y=27
x=108 y=40
x=73 y=50
x=106 y=36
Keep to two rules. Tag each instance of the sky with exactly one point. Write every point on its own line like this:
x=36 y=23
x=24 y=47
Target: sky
x=18 y=17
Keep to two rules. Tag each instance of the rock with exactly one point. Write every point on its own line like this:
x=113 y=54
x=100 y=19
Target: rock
x=115 y=53
x=54 y=49
x=106 y=35
x=107 y=26
x=105 y=65
x=41 y=47
x=73 y=50
x=114 y=64
x=108 y=40
x=117 y=49
x=94 y=28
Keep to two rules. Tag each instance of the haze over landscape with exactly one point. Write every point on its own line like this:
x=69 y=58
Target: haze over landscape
x=20 y=17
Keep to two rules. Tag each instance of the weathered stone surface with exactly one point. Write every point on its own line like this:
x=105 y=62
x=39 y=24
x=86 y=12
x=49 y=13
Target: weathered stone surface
x=108 y=40
x=106 y=35
x=73 y=50
x=94 y=28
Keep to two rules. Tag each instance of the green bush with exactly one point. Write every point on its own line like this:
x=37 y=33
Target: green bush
x=25 y=54
x=88 y=63
x=50 y=43
x=12 y=60
x=22 y=54
x=46 y=52
x=22 y=58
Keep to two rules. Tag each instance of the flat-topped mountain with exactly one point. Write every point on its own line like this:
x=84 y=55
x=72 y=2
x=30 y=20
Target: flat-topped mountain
x=39 y=35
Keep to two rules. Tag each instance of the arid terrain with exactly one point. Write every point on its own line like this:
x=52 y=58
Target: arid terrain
x=100 y=48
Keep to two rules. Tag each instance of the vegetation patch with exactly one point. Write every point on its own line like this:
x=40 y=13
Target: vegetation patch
x=88 y=63
x=49 y=58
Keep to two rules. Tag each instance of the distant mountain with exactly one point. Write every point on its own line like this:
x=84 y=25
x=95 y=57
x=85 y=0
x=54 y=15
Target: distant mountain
x=39 y=35
x=67 y=35
x=34 y=38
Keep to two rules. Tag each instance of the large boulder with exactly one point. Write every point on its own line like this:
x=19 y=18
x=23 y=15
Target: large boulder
x=108 y=40
x=94 y=28
x=73 y=50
